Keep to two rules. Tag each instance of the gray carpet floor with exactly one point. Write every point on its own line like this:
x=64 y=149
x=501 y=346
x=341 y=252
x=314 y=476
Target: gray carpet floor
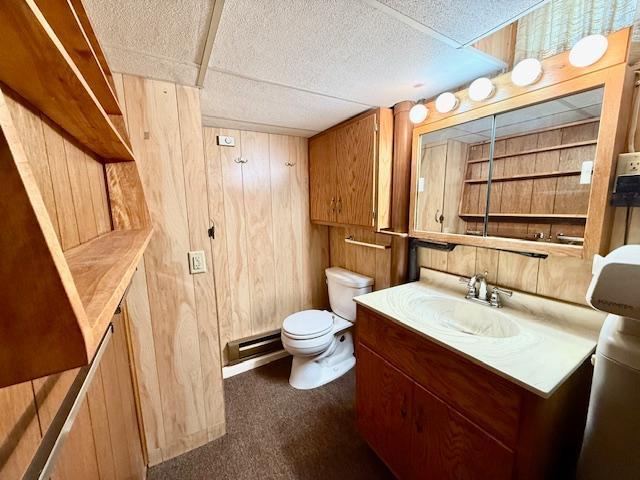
x=277 y=432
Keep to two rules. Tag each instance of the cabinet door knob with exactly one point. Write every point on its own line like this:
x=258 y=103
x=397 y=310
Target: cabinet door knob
x=439 y=217
x=339 y=205
x=290 y=164
x=332 y=205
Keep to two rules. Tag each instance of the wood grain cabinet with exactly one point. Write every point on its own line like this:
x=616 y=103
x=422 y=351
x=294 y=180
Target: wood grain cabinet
x=350 y=172
x=430 y=413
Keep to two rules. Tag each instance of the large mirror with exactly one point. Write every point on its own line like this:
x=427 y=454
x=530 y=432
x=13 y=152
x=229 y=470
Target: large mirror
x=530 y=167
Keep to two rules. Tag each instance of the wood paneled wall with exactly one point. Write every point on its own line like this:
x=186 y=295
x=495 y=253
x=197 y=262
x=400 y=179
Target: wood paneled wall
x=173 y=313
x=104 y=441
x=269 y=259
x=265 y=262
x=372 y=262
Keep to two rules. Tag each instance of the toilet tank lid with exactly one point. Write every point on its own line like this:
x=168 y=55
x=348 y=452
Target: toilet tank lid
x=348 y=278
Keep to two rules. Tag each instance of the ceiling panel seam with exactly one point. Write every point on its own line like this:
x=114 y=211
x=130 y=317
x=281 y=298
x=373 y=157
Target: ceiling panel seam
x=505 y=23
x=291 y=87
x=257 y=123
x=412 y=22
x=420 y=27
x=150 y=55
x=214 y=23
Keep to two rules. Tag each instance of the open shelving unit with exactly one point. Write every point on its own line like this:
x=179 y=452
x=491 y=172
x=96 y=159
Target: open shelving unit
x=42 y=71
x=57 y=305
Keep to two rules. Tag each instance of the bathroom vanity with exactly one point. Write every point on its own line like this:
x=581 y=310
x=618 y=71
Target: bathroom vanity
x=449 y=389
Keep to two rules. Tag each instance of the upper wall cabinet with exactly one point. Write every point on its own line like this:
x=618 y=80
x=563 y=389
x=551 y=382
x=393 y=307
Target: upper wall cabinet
x=350 y=172
x=529 y=170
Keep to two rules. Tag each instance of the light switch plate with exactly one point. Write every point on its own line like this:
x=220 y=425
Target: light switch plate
x=197 y=262
x=226 y=141
x=585 y=172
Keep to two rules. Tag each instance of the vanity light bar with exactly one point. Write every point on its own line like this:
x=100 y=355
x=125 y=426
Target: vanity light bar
x=584 y=53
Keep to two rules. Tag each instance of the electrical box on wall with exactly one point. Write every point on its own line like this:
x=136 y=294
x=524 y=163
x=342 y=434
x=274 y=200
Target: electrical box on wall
x=626 y=189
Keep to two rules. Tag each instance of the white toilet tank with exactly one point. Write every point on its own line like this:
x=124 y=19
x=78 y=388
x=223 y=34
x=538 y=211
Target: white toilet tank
x=343 y=286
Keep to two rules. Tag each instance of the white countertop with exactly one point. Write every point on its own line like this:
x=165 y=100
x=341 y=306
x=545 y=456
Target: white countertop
x=553 y=340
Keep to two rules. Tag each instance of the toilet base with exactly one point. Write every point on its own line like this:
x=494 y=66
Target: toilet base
x=312 y=372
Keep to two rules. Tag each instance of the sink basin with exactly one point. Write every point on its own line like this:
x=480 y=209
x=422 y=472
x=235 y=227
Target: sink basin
x=473 y=319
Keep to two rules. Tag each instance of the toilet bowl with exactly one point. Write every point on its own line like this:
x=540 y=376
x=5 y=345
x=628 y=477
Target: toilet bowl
x=321 y=342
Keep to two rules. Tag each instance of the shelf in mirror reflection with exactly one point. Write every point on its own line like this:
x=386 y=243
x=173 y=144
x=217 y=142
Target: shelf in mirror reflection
x=526 y=176
x=564 y=217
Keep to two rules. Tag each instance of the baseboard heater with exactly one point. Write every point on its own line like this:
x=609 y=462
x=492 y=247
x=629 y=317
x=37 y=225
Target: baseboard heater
x=254 y=346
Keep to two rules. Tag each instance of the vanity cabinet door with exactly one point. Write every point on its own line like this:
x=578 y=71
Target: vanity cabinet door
x=322 y=178
x=447 y=446
x=384 y=397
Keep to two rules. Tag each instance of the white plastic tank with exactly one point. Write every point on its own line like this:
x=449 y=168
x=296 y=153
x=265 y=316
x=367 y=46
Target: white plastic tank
x=343 y=286
x=611 y=444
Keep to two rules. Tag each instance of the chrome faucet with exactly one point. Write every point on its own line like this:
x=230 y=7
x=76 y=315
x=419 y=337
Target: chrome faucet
x=478 y=291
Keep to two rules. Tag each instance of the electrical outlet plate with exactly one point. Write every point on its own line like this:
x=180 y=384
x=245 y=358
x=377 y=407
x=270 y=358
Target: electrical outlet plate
x=197 y=262
x=628 y=164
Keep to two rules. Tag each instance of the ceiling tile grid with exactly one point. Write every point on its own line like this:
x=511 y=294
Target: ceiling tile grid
x=301 y=65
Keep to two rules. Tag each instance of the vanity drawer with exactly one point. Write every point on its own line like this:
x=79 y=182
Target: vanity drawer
x=485 y=398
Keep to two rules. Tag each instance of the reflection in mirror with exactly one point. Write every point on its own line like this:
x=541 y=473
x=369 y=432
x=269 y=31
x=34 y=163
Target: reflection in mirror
x=537 y=182
x=441 y=192
x=542 y=165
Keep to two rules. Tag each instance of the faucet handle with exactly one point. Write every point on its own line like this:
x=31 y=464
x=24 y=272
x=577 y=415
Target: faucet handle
x=508 y=293
x=471 y=285
x=495 y=296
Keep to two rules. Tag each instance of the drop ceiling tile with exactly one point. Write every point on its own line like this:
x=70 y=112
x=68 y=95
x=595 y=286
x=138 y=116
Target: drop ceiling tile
x=136 y=63
x=348 y=50
x=164 y=29
x=229 y=97
x=462 y=21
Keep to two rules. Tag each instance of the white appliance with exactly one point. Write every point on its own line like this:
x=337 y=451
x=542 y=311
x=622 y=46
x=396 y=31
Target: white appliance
x=321 y=342
x=611 y=445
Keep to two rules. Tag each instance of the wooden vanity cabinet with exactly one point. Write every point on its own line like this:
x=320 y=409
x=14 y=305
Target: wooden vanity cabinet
x=350 y=172
x=430 y=413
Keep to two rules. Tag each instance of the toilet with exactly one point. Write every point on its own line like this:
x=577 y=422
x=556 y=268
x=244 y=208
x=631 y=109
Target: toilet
x=321 y=342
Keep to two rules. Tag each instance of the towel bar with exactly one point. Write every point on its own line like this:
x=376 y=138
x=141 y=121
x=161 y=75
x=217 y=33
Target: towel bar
x=44 y=458
x=351 y=241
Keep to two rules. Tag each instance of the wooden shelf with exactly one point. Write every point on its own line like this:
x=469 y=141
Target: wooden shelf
x=566 y=173
x=66 y=24
x=102 y=269
x=55 y=306
x=536 y=150
x=42 y=71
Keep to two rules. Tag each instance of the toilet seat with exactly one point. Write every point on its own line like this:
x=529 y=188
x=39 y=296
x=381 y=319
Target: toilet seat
x=308 y=324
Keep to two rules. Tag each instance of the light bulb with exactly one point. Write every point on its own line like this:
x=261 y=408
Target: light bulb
x=526 y=72
x=446 y=102
x=481 y=89
x=418 y=113
x=588 y=50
